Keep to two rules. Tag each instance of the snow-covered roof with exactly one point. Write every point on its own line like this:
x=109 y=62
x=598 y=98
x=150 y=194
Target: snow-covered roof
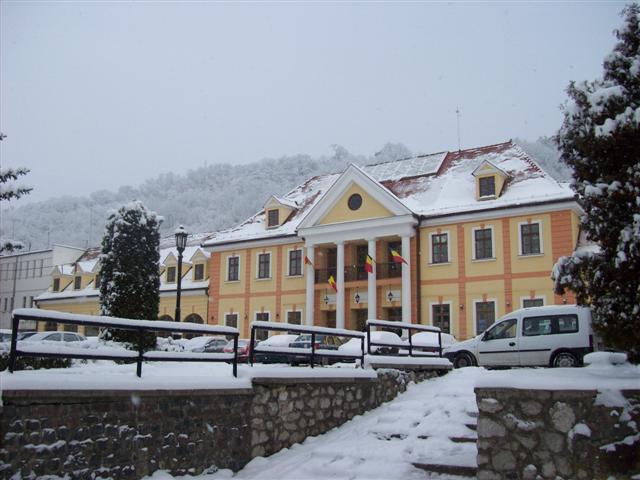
x=87 y=266
x=285 y=201
x=408 y=167
x=428 y=185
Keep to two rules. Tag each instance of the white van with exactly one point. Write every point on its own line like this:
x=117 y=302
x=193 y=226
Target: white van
x=555 y=335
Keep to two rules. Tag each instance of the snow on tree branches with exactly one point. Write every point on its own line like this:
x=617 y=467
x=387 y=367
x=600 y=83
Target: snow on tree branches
x=600 y=139
x=130 y=276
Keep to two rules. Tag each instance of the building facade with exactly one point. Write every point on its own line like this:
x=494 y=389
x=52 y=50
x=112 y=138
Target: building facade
x=453 y=239
x=74 y=287
x=25 y=275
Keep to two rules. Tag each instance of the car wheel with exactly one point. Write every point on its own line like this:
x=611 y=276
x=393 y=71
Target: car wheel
x=463 y=360
x=565 y=360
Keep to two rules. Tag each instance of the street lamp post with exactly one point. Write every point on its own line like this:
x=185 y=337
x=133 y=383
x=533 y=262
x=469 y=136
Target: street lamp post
x=181 y=243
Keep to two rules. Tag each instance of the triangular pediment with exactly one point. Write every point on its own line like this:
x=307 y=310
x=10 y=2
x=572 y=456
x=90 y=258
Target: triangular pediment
x=341 y=204
x=488 y=168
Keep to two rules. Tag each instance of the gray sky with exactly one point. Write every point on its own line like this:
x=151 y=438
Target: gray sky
x=96 y=95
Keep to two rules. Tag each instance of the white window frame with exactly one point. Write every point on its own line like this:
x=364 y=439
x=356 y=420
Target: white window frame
x=431 y=234
x=537 y=297
x=237 y=321
x=539 y=222
x=255 y=315
x=286 y=315
x=473 y=243
x=495 y=309
x=226 y=275
x=258 y=265
x=301 y=262
x=452 y=330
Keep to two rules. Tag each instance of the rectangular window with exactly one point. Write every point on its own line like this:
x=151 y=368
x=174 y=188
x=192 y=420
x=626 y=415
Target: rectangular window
x=440 y=248
x=30 y=302
x=487 y=186
x=24 y=302
x=97 y=282
x=70 y=328
x=198 y=272
x=295 y=262
x=5 y=304
x=50 y=326
x=233 y=269
x=20 y=270
x=485 y=315
x=171 y=274
x=442 y=317
x=483 y=243
x=91 y=331
x=530 y=239
x=231 y=320
x=41 y=267
x=273 y=218
x=566 y=323
x=56 y=284
x=294 y=318
x=532 y=302
x=77 y=283
x=262 y=317
x=264 y=265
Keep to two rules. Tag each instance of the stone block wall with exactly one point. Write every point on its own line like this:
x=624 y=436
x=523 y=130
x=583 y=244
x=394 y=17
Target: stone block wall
x=566 y=434
x=128 y=435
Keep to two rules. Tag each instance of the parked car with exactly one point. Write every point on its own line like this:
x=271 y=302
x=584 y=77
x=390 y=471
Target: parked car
x=274 y=341
x=428 y=342
x=393 y=341
x=208 y=345
x=23 y=335
x=322 y=342
x=5 y=335
x=555 y=335
x=55 y=337
x=243 y=348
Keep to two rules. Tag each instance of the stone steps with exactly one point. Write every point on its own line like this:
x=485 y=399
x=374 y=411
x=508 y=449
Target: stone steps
x=469 y=472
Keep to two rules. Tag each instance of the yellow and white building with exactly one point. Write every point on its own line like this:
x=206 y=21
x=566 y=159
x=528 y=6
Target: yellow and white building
x=75 y=287
x=479 y=231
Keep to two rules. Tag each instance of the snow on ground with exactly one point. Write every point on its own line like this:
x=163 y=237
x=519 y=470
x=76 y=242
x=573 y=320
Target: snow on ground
x=383 y=443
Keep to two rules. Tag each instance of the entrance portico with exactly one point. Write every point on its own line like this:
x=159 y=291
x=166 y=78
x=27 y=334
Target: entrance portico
x=374 y=218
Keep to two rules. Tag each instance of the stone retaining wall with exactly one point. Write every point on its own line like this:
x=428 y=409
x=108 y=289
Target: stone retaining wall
x=124 y=434
x=567 y=434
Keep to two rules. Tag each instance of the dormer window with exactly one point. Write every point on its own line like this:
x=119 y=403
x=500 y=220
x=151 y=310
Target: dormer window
x=273 y=218
x=56 y=284
x=198 y=272
x=77 y=283
x=171 y=274
x=487 y=187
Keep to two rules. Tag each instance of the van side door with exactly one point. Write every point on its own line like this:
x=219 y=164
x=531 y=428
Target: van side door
x=499 y=344
x=537 y=339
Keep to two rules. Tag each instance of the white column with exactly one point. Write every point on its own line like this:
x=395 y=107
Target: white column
x=340 y=282
x=310 y=287
x=371 y=283
x=406 y=280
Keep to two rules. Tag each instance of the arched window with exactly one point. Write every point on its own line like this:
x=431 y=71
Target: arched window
x=167 y=318
x=194 y=318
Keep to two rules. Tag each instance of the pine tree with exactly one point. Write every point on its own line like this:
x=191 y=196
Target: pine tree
x=600 y=139
x=129 y=273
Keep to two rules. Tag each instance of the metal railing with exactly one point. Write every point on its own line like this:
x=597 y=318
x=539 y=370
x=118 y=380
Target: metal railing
x=312 y=352
x=411 y=327
x=140 y=326
x=388 y=270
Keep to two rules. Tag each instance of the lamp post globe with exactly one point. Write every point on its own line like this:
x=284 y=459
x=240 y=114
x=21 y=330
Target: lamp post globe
x=181 y=242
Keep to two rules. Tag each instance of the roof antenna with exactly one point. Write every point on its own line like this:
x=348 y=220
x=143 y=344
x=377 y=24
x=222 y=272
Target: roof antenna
x=458 y=122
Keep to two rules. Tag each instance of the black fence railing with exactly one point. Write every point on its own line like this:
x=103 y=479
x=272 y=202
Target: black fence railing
x=28 y=349
x=413 y=350
x=312 y=352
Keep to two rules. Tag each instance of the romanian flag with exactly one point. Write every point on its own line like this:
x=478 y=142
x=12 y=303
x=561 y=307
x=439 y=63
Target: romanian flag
x=307 y=261
x=368 y=264
x=395 y=256
x=332 y=282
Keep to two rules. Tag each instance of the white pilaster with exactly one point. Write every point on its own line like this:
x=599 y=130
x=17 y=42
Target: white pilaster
x=406 y=280
x=371 y=283
x=310 y=286
x=340 y=282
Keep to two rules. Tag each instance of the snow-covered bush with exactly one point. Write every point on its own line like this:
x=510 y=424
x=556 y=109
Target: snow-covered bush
x=600 y=139
x=130 y=277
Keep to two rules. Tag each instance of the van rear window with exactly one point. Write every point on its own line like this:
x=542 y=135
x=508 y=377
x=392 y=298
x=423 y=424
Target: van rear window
x=549 y=325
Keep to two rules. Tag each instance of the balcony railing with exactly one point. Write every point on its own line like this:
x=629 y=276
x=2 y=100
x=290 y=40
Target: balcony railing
x=353 y=273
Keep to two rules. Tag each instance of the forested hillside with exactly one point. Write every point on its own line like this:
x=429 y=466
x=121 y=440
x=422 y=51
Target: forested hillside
x=203 y=200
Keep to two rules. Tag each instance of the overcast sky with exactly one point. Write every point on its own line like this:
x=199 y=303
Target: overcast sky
x=97 y=95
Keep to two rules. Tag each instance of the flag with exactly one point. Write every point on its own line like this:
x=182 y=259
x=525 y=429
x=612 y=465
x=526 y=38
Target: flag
x=307 y=261
x=368 y=264
x=395 y=256
x=332 y=282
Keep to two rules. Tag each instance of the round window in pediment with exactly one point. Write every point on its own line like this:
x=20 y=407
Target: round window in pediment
x=355 y=201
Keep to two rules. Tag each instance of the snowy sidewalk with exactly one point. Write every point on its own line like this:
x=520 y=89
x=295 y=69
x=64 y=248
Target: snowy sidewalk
x=416 y=427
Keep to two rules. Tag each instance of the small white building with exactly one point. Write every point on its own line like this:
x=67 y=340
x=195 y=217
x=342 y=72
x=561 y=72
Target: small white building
x=25 y=275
